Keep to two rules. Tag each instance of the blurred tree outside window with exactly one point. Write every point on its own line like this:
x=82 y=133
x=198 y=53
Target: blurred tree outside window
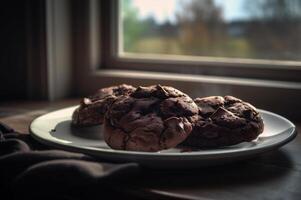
x=257 y=29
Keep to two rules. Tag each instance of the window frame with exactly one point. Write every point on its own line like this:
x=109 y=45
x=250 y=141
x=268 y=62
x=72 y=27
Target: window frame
x=217 y=66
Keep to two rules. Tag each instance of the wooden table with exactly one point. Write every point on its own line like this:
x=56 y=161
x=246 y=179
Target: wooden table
x=273 y=175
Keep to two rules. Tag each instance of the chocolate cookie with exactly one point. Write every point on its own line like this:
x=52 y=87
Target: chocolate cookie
x=224 y=121
x=150 y=119
x=92 y=109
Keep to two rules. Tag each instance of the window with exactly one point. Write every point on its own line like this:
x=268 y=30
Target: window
x=259 y=29
x=236 y=38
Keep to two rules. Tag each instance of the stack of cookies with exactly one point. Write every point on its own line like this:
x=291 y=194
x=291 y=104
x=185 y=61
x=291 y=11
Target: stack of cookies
x=159 y=117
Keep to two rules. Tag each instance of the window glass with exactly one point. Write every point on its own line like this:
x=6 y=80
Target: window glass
x=257 y=29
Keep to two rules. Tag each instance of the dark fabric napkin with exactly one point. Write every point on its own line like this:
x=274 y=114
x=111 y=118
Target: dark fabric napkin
x=29 y=170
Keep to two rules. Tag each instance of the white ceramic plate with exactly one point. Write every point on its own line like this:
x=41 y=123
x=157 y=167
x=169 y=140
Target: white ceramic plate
x=55 y=129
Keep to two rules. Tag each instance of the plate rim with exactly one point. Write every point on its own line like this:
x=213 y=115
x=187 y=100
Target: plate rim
x=206 y=154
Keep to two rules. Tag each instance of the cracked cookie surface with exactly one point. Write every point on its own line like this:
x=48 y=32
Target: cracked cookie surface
x=224 y=121
x=92 y=109
x=150 y=119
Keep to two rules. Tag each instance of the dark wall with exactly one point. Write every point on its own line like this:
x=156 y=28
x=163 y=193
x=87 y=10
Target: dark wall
x=23 y=50
x=13 y=73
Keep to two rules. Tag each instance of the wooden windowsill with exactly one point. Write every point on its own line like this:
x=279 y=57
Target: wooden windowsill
x=19 y=114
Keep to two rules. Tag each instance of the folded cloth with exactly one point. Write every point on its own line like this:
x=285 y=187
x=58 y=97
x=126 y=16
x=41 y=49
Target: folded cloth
x=29 y=170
